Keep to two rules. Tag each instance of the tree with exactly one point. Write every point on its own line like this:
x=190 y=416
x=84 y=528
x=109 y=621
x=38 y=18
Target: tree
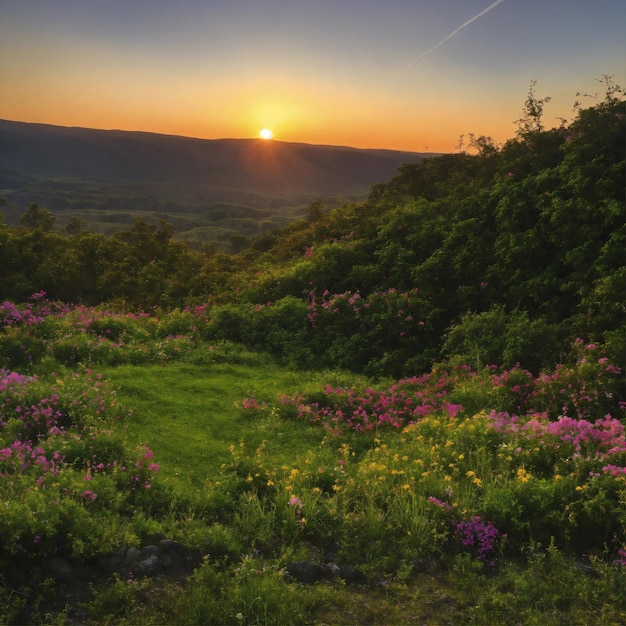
x=38 y=218
x=531 y=120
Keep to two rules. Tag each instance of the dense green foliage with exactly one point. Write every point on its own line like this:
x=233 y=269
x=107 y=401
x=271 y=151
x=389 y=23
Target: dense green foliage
x=526 y=239
x=427 y=386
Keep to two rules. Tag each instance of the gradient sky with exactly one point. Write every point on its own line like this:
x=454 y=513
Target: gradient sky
x=400 y=74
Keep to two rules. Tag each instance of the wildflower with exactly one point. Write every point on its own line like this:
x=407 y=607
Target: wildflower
x=621 y=557
x=440 y=503
x=89 y=495
x=294 y=501
x=477 y=536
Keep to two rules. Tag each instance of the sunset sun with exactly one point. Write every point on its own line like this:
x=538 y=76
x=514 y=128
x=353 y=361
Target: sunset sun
x=266 y=133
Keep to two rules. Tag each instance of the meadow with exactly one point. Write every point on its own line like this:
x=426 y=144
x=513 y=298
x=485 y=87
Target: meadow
x=408 y=409
x=456 y=496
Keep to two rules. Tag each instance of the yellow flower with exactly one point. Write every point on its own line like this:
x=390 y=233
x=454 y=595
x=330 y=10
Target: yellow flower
x=461 y=457
x=478 y=482
x=270 y=483
x=579 y=488
x=470 y=474
x=336 y=487
x=523 y=475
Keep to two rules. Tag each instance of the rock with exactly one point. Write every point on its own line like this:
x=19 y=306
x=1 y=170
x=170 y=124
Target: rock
x=171 y=546
x=149 y=567
x=352 y=575
x=332 y=569
x=147 y=551
x=131 y=555
x=306 y=571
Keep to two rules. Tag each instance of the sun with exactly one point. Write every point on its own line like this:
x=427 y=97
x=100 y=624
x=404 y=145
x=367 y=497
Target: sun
x=266 y=133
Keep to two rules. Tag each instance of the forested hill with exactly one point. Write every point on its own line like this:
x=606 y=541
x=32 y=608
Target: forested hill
x=274 y=167
x=507 y=255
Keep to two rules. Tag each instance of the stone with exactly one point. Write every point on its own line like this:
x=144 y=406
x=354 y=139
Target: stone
x=149 y=567
x=351 y=574
x=131 y=555
x=332 y=569
x=306 y=571
x=171 y=546
x=147 y=551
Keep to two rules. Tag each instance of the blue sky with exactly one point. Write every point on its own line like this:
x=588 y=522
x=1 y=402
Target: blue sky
x=341 y=72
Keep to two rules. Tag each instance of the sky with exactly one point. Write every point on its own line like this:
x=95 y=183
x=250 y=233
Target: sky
x=399 y=74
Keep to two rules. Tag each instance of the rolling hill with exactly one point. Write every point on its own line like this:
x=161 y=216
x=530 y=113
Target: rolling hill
x=271 y=167
x=109 y=177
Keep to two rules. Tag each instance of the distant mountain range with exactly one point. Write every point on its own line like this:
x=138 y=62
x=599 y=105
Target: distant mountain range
x=73 y=171
x=271 y=167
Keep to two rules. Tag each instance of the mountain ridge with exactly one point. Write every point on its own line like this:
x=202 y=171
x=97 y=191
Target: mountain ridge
x=279 y=167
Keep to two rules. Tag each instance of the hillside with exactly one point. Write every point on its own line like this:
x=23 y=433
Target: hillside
x=406 y=409
x=82 y=172
x=525 y=240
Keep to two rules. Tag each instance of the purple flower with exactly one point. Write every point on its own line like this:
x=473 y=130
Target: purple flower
x=477 y=536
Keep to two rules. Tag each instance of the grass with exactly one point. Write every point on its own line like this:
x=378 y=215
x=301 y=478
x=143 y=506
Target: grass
x=190 y=415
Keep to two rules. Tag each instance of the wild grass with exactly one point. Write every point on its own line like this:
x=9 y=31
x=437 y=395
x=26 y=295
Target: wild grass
x=192 y=414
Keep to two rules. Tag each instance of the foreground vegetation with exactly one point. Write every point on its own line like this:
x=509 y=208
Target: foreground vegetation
x=404 y=411
x=122 y=434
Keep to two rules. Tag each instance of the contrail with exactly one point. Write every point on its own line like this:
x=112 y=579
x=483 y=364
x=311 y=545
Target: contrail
x=493 y=5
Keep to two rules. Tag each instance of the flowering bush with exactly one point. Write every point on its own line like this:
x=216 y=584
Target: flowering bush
x=62 y=458
x=477 y=536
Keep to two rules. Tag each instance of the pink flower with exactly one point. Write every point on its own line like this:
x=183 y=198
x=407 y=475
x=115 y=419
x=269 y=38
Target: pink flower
x=89 y=495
